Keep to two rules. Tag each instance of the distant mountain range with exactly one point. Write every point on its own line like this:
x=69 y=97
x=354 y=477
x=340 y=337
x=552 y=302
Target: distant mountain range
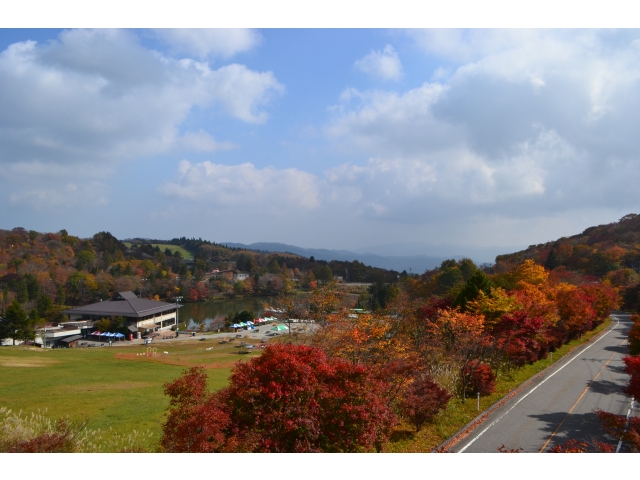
x=415 y=257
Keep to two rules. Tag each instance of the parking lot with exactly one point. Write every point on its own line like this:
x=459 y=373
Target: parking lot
x=259 y=334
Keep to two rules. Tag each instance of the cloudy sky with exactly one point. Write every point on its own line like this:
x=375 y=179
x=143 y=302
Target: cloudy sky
x=320 y=137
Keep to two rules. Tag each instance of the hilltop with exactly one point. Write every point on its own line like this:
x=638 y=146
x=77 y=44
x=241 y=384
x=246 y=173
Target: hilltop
x=610 y=251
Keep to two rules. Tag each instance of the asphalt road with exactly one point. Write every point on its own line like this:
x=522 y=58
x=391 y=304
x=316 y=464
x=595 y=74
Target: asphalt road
x=559 y=406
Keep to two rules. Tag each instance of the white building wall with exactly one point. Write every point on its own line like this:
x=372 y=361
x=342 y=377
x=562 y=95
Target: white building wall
x=156 y=322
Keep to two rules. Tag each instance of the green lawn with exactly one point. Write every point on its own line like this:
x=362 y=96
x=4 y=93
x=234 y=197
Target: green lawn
x=110 y=387
x=173 y=248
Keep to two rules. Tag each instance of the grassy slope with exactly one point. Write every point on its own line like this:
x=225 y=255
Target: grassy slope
x=458 y=414
x=173 y=248
x=122 y=393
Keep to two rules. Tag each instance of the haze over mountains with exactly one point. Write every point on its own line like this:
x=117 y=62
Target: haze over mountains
x=413 y=256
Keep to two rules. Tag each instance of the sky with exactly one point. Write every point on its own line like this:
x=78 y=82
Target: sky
x=324 y=138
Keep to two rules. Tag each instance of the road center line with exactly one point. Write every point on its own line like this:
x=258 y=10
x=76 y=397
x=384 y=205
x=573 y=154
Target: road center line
x=536 y=387
x=577 y=401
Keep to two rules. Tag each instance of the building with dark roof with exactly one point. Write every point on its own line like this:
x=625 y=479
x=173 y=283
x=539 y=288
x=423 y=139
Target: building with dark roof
x=141 y=314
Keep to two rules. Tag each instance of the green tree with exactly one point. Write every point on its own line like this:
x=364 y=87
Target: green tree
x=552 y=260
x=468 y=268
x=476 y=283
x=22 y=292
x=451 y=263
x=33 y=287
x=449 y=278
x=45 y=304
x=16 y=323
x=274 y=267
x=84 y=259
x=382 y=294
x=324 y=274
x=238 y=287
x=62 y=295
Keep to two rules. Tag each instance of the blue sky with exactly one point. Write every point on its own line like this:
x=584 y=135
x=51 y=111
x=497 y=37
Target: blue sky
x=335 y=138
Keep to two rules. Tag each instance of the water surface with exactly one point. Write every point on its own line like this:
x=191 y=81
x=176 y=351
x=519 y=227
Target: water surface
x=197 y=314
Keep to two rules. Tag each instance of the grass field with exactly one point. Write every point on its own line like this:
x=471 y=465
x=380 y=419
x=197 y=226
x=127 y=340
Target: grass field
x=110 y=387
x=173 y=248
x=115 y=388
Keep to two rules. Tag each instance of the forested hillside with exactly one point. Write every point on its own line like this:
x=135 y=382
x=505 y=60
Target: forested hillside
x=606 y=252
x=47 y=272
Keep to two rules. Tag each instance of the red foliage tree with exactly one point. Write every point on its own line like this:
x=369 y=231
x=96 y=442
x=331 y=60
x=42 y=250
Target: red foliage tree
x=297 y=400
x=480 y=378
x=576 y=311
x=422 y=401
x=605 y=298
x=634 y=336
x=627 y=430
x=515 y=335
x=577 y=446
x=633 y=369
x=433 y=307
x=290 y=399
x=193 y=295
x=196 y=421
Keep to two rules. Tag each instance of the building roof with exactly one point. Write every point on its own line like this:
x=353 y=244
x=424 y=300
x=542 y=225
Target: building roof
x=124 y=304
x=71 y=339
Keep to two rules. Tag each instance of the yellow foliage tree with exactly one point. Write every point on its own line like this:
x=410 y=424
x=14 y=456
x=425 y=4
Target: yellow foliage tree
x=493 y=306
x=452 y=323
x=528 y=271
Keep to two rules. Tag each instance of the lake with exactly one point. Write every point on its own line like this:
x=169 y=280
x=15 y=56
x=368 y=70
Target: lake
x=197 y=313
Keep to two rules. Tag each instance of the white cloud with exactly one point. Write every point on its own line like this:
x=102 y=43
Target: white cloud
x=209 y=42
x=99 y=96
x=94 y=98
x=534 y=123
x=276 y=191
x=201 y=141
x=384 y=64
x=67 y=195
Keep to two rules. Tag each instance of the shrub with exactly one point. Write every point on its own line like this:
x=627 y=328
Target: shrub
x=36 y=433
x=480 y=378
x=422 y=401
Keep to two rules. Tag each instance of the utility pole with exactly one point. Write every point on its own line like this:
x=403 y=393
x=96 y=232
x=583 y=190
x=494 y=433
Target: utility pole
x=177 y=317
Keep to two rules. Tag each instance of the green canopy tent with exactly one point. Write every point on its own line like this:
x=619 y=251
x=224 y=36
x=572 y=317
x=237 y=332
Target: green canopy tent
x=279 y=328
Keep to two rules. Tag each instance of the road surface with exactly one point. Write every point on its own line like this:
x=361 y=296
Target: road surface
x=559 y=405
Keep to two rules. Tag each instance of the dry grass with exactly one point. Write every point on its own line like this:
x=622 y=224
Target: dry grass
x=26 y=362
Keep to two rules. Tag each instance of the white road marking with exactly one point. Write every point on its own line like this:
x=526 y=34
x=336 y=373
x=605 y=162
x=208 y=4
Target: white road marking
x=536 y=387
x=628 y=413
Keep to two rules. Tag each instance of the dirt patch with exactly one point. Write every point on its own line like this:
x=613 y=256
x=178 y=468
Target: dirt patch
x=26 y=362
x=100 y=387
x=183 y=362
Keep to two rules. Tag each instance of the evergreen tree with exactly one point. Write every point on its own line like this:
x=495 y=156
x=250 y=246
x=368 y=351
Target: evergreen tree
x=552 y=260
x=478 y=281
x=16 y=323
